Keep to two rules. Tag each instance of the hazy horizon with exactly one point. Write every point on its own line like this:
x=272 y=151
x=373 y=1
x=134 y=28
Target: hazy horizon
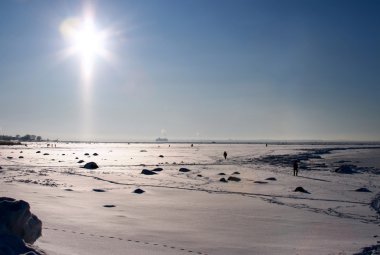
x=190 y=70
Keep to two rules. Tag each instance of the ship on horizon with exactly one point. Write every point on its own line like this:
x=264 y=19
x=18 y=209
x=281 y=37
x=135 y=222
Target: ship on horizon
x=162 y=139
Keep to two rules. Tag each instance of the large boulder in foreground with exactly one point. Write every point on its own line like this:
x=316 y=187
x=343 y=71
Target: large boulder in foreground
x=91 y=165
x=12 y=245
x=18 y=227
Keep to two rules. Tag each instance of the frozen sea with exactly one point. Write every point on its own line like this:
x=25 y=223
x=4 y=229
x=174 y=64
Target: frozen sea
x=187 y=208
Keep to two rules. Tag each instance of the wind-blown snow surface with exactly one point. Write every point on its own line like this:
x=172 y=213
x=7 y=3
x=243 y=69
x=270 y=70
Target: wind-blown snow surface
x=97 y=212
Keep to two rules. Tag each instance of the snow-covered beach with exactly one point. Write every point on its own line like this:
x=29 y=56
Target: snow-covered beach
x=185 y=205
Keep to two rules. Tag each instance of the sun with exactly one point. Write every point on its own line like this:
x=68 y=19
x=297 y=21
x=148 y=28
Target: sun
x=86 y=41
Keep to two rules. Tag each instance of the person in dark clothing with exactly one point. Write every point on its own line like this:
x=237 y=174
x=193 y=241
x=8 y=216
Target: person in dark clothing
x=225 y=154
x=295 y=168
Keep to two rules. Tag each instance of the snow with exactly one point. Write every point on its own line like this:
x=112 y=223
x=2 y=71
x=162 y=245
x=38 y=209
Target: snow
x=184 y=213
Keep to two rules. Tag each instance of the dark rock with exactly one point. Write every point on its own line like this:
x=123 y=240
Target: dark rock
x=223 y=180
x=300 y=189
x=86 y=154
x=234 y=179
x=63 y=154
x=98 y=190
x=76 y=157
x=45 y=154
x=158 y=169
x=235 y=173
x=221 y=174
x=91 y=165
x=143 y=150
x=17 y=220
x=109 y=206
x=363 y=190
x=9 y=157
x=80 y=161
x=199 y=175
x=68 y=190
x=38 y=151
x=271 y=179
x=184 y=170
x=161 y=156
x=138 y=191
x=95 y=154
x=21 y=157
x=147 y=172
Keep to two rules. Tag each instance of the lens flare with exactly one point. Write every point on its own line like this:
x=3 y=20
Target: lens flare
x=89 y=43
x=86 y=41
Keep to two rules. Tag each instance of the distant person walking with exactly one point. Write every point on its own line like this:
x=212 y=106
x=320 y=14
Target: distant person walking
x=225 y=154
x=295 y=168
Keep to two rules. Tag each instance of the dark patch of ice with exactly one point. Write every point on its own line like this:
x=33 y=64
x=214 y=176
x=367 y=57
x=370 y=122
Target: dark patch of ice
x=375 y=203
x=346 y=169
x=260 y=182
x=370 y=250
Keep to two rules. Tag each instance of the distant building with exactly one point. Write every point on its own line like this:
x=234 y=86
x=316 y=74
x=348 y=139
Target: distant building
x=160 y=140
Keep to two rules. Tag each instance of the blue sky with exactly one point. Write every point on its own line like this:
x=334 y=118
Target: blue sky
x=203 y=69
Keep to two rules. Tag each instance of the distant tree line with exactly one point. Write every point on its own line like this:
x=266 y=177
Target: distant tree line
x=25 y=138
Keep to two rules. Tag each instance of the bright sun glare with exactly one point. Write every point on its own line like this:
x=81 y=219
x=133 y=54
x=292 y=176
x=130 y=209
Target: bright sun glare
x=84 y=40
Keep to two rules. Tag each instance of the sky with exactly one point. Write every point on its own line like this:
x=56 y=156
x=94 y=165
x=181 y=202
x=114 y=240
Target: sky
x=193 y=69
